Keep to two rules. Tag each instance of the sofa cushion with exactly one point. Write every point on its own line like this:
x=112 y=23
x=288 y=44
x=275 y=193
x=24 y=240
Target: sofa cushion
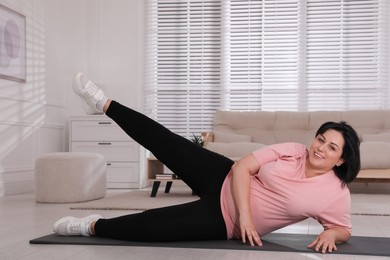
x=294 y=135
x=234 y=150
x=366 y=121
x=375 y=155
x=291 y=120
x=383 y=137
x=317 y=118
x=236 y=120
x=231 y=138
x=262 y=136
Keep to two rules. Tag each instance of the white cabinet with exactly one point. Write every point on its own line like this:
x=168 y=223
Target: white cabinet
x=99 y=134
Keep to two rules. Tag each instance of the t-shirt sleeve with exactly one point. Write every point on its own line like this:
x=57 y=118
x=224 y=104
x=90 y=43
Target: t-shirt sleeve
x=337 y=214
x=277 y=151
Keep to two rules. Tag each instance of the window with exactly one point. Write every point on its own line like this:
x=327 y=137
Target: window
x=297 y=55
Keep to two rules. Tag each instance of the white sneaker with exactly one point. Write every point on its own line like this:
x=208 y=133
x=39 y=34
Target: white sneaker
x=89 y=93
x=71 y=226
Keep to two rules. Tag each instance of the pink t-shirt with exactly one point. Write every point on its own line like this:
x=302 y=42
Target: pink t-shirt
x=281 y=195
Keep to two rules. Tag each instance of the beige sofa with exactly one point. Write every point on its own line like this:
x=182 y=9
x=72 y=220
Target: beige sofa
x=236 y=134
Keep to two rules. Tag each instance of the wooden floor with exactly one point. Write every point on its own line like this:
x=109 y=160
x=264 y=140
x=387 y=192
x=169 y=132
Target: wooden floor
x=22 y=219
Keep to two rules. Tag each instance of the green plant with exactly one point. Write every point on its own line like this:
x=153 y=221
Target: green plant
x=197 y=139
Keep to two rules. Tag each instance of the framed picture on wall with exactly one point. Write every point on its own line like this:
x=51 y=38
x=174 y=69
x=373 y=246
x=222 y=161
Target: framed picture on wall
x=12 y=45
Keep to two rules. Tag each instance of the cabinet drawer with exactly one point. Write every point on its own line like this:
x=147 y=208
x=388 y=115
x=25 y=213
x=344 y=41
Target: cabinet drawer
x=112 y=151
x=122 y=172
x=99 y=130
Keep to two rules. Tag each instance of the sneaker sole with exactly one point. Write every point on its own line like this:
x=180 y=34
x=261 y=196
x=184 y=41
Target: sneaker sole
x=77 y=84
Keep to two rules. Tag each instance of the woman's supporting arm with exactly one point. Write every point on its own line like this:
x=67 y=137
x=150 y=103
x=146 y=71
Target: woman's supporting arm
x=240 y=185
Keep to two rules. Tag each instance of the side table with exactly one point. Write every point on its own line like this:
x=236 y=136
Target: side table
x=154 y=166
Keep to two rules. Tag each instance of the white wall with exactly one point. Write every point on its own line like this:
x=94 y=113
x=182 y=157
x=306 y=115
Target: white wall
x=106 y=41
x=102 y=38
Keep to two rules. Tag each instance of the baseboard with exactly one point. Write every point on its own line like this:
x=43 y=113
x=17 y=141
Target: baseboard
x=14 y=188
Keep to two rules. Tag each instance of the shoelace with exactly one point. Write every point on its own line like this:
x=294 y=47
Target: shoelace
x=74 y=229
x=91 y=88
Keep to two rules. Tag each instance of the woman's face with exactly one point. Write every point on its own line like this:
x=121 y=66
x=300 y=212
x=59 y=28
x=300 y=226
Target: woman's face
x=326 y=150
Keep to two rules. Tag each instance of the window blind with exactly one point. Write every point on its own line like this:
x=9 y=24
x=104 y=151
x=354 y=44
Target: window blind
x=281 y=55
x=184 y=64
x=296 y=55
x=242 y=55
x=342 y=55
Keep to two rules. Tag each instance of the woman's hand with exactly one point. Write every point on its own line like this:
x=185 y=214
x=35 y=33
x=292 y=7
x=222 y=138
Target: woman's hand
x=327 y=240
x=248 y=231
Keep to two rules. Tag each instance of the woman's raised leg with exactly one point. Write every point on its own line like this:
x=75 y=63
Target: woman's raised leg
x=202 y=170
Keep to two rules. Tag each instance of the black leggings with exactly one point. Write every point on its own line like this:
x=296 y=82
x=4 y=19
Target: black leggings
x=202 y=170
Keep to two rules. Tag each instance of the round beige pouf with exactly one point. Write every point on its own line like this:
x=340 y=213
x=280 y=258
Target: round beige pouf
x=70 y=177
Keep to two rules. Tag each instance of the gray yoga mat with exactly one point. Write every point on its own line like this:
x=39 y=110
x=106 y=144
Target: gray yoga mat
x=357 y=245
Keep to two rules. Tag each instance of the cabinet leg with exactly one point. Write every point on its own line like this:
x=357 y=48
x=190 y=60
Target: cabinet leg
x=156 y=185
x=168 y=186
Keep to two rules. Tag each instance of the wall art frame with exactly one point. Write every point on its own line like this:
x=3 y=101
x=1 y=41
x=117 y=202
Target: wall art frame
x=12 y=45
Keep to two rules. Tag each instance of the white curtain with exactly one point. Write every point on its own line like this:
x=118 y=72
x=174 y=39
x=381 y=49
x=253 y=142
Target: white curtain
x=296 y=55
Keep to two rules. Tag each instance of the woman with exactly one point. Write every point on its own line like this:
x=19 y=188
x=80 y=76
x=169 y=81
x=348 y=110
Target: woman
x=266 y=190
